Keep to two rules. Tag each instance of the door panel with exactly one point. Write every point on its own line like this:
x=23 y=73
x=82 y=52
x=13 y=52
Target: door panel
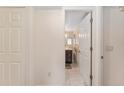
x=12 y=46
x=85 y=44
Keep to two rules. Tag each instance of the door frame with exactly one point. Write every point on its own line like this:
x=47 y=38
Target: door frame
x=97 y=42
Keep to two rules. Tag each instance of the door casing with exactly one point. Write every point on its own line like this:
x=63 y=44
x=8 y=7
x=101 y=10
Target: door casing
x=97 y=42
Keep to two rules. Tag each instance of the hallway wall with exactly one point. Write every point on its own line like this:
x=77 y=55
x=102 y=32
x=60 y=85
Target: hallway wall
x=49 y=46
x=113 y=46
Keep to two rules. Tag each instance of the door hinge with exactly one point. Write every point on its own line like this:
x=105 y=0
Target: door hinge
x=102 y=57
x=91 y=48
x=91 y=77
x=91 y=20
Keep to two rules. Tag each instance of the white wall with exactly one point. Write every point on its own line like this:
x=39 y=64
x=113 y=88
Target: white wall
x=49 y=61
x=113 y=46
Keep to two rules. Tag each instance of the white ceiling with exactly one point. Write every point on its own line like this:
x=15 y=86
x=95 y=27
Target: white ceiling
x=73 y=18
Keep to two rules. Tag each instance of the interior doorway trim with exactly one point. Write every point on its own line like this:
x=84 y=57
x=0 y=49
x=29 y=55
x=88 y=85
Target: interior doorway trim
x=85 y=9
x=97 y=39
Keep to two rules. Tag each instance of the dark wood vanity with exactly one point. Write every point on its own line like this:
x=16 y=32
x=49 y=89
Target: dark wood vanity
x=68 y=56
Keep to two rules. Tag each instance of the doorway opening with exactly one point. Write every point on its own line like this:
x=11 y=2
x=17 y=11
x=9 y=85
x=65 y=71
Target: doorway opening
x=78 y=47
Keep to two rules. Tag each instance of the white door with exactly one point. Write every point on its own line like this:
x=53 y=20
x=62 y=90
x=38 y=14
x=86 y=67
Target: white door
x=13 y=40
x=85 y=53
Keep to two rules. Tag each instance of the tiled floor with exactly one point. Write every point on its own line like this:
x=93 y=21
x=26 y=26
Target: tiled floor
x=73 y=77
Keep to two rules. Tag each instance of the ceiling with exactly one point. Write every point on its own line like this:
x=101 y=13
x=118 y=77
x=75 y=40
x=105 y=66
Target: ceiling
x=73 y=18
